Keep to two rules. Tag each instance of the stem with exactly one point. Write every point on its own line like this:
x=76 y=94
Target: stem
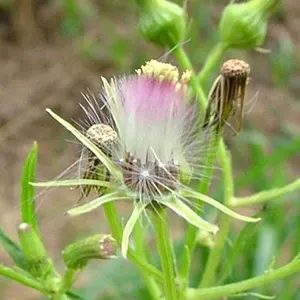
x=186 y=64
x=69 y=279
x=16 y=276
x=234 y=288
x=165 y=252
x=265 y=196
x=215 y=255
x=211 y=62
x=139 y=238
x=116 y=228
x=209 y=162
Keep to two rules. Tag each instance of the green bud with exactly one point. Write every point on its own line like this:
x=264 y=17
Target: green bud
x=244 y=25
x=99 y=246
x=39 y=263
x=206 y=239
x=161 y=22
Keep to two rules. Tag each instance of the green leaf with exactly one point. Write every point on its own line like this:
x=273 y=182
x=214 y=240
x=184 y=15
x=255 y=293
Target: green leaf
x=96 y=203
x=75 y=296
x=28 y=191
x=13 y=250
x=73 y=182
x=188 y=214
x=218 y=205
x=138 y=209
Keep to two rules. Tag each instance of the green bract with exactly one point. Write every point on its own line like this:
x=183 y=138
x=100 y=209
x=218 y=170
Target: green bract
x=244 y=25
x=161 y=22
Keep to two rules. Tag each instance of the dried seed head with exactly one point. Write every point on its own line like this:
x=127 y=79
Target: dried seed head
x=235 y=68
x=227 y=95
x=103 y=136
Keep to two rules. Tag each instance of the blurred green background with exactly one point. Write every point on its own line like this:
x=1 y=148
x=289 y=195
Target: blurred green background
x=53 y=50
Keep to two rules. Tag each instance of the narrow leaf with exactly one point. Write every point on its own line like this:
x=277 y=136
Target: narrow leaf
x=73 y=182
x=188 y=214
x=138 y=208
x=218 y=205
x=102 y=157
x=95 y=203
x=13 y=250
x=28 y=191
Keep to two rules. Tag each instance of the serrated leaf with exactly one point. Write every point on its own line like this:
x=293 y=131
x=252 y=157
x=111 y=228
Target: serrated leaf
x=28 y=191
x=14 y=250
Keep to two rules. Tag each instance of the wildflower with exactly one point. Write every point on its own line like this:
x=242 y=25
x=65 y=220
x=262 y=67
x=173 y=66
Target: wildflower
x=155 y=144
x=227 y=95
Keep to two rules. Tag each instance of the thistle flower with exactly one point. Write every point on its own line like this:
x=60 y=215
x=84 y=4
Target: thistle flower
x=152 y=140
x=227 y=95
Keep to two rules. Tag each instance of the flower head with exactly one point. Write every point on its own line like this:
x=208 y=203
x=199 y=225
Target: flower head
x=146 y=134
x=227 y=95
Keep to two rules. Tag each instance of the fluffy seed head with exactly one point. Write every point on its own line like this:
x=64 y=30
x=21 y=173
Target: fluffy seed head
x=156 y=126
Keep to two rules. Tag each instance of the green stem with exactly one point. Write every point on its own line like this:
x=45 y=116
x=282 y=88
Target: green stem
x=215 y=255
x=165 y=252
x=16 y=276
x=211 y=62
x=234 y=288
x=209 y=162
x=116 y=228
x=265 y=196
x=186 y=64
x=139 y=238
x=69 y=279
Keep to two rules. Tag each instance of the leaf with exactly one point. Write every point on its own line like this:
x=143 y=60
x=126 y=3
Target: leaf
x=102 y=157
x=28 y=191
x=188 y=214
x=96 y=203
x=75 y=296
x=73 y=182
x=138 y=209
x=218 y=205
x=13 y=250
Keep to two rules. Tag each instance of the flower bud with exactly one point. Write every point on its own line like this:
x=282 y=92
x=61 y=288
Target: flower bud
x=99 y=246
x=244 y=25
x=38 y=261
x=161 y=22
x=206 y=239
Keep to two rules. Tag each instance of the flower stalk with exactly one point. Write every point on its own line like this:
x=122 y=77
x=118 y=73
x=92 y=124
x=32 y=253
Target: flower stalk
x=234 y=288
x=159 y=217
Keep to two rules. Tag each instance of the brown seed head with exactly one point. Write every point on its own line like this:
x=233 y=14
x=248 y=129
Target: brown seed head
x=235 y=68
